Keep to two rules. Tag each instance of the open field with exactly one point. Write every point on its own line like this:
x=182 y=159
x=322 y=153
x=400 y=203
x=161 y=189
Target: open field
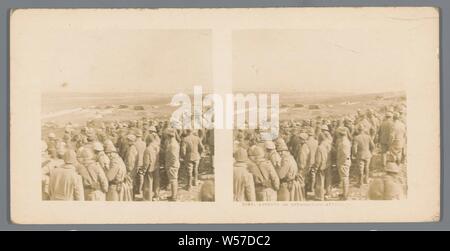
x=297 y=106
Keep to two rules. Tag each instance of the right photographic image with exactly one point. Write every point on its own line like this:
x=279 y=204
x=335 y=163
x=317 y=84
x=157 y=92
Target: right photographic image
x=337 y=113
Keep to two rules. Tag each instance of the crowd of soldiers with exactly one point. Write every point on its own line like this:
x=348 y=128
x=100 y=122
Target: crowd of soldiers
x=121 y=161
x=303 y=161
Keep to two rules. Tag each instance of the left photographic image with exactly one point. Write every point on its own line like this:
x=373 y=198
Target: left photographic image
x=106 y=107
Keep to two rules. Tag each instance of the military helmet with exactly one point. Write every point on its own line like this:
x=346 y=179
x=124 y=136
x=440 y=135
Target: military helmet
x=281 y=146
x=303 y=136
x=70 y=157
x=269 y=145
x=131 y=137
x=342 y=131
x=240 y=155
x=97 y=146
x=87 y=153
x=91 y=135
x=138 y=133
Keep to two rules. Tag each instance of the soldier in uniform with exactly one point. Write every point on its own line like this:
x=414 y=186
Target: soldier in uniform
x=252 y=149
x=131 y=160
x=265 y=177
x=290 y=188
x=312 y=144
x=374 y=122
x=272 y=154
x=47 y=166
x=243 y=185
x=385 y=135
x=64 y=182
x=102 y=158
x=322 y=168
x=293 y=143
x=151 y=167
x=95 y=182
x=191 y=149
x=140 y=170
x=326 y=134
x=153 y=132
x=343 y=152
x=362 y=149
x=119 y=188
x=172 y=161
x=67 y=138
x=302 y=160
x=398 y=138
x=51 y=144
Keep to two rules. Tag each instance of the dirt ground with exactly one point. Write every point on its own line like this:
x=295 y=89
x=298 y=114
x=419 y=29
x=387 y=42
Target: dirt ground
x=356 y=192
x=206 y=172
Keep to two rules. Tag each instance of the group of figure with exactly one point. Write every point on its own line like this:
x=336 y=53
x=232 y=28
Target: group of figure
x=121 y=161
x=308 y=158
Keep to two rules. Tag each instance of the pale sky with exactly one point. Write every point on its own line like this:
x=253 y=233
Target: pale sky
x=121 y=60
x=105 y=55
x=342 y=60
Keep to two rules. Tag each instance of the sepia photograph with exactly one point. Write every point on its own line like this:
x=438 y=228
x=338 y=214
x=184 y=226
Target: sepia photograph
x=224 y=116
x=106 y=108
x=338 y=137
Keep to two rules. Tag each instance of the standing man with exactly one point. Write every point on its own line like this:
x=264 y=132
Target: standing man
x=302 y=160
x=118 y=189
x=243 y=185
x=48 y=164
x=398 y=138
x=51 y=144
x=266 y=179
x=343 y=151
x=272 y=154
x=385 y=135
x=102 y=158
x=362 y=149
x=151 y=167
x=322 y=168
x=325 y=131
x=294 y=142
x=373 y=120
x=172 y=161
x=290 y=188
x=45 y=169
x=153 y=132
x=191 y=148
x=312 y=144
x=140 y=170
x=94 y=179
x=131 y=157
x=64 y=182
